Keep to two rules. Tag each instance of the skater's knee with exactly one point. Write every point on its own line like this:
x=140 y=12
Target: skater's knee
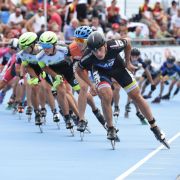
x=105 y=94
x=84 y=88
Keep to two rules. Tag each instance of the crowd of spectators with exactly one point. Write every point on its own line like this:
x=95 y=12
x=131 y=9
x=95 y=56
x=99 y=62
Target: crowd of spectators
x=64 y=16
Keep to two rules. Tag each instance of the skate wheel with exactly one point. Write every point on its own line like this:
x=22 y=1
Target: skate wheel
x=88 y=130
x=113 y=142
x=72 y=131
x=29 y=118
x=40 y=128
x=58 y=126
x=82 y=135
x=165 y=143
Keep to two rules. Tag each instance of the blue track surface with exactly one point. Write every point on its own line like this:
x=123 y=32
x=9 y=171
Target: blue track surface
x=26 y=154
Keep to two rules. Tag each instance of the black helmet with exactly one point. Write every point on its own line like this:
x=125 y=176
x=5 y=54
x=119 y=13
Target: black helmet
x=95 y=40
x=135 y=52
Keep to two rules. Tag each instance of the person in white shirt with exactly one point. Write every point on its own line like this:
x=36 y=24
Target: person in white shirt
x=175 y=22
x=34 y=24
x=16 y=19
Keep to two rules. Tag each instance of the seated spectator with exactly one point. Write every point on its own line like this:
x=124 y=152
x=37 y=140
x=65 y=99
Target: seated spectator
x=69 y=30
x=163 y=33
x=171 y=11
x=113 y=12
x=159 y=14
x=175 y=22
x=147 y=18
x=114 y=32
x=35 y=23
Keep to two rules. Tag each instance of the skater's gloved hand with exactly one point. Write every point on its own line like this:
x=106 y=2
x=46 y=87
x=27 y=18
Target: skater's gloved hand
x=58 y=81
x=33 y=81
x=153 y=87
x=93 y=90
x=43 y=75
x=21 y=82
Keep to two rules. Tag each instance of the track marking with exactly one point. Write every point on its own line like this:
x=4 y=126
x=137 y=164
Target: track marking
x=142 y=161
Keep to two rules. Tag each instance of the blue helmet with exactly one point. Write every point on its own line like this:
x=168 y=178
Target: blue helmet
x=83 y=32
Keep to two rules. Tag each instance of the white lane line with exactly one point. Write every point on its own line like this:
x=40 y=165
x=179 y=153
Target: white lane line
x=142 y=161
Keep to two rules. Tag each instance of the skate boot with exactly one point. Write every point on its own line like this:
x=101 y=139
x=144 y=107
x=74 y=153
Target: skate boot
x=82 y=125
x=69 y=123
x=99 y=116
x=127 y=110
x=20 y=108
x=157 y=100
x=43 y=112
x=29 y=110
x=75 y=119
x=166 y=97
x=141 y=118
x=38 y=120
x=160 y=136
x=2 y=95
x=111 y=133
x=55 y=116
x=116 y=111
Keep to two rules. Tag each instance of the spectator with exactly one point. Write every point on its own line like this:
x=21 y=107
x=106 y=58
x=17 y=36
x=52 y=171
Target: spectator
x=114 y=32
x=16 y=19
x=35 y=23
x=33 y=6
x=163 y=33
x=147 y=18
x=113 y=12
x=95 y=23
x=71 y=12
x=175 y=23
x=4 y=14
x=69 y=30
x=55 y=18
x=171 y=11
x=82 y=9
x=159 y=14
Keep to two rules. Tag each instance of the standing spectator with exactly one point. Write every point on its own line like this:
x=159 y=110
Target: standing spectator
x=113 y=12
x=71 y=12
x=55 y=18
x=82 y=9
x=69 y=30
x=35 y=23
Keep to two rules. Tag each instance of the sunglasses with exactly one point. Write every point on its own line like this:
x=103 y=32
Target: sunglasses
x=46 y=45
x=80 y=40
